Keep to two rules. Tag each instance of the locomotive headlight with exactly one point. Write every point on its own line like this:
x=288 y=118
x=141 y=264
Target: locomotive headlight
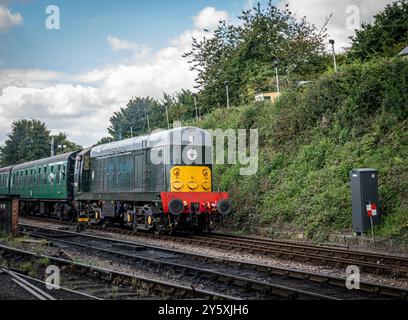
x=176 y=172
x=192 y=154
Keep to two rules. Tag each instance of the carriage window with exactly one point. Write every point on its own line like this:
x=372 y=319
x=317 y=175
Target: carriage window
x=59 y=167
x=52 y=168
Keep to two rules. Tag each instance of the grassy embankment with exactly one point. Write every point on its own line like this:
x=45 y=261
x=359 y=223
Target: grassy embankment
x=311 y=139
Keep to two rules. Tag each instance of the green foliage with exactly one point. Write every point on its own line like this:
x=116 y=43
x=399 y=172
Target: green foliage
x=310 y=140
x=143 y=115
x=63 y=145
x=244 y=55
x=136 y=118
x=386 y=37
x=30 y=140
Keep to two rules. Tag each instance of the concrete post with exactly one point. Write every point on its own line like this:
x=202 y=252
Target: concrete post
x=15 y=212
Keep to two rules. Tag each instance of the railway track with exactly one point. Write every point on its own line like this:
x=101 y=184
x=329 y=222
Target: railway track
x=104 y=283
x=368 y=262
x=255 y=280
x=29 y=288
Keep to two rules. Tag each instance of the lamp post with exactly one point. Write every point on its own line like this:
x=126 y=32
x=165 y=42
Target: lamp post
x=227 y=89
x=167 y=116
x=52 y=146
x=195 y=104
x=275 y=64
x=331 y=41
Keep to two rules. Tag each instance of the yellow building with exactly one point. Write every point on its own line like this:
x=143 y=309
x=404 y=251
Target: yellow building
x=267 y=96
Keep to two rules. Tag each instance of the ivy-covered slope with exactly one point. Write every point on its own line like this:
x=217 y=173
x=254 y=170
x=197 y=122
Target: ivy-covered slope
x=311 y=139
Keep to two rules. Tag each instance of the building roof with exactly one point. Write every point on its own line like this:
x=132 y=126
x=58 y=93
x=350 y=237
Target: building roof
x=404 y=52
x=176 y=136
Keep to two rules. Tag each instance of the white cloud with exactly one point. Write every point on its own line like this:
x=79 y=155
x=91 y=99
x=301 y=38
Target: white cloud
x=81 y=104
x=8 y=19
x=119 y=44
x=209 y=17
x=32 y=78
x=340 y=26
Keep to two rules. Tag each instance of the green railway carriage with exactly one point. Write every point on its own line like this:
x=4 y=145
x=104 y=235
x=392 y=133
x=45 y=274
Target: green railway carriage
x=49 y=179
x=5 y=180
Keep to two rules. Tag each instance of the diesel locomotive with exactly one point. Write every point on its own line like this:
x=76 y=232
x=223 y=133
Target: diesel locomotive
x=158 y=182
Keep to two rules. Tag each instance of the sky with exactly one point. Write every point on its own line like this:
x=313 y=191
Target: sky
x=74 y=74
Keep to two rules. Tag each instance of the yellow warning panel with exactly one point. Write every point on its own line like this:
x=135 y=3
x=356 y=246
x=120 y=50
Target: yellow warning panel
x=190 y=179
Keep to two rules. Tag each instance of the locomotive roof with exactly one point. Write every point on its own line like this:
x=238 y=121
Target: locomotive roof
x=41 y=162
x=176 y=136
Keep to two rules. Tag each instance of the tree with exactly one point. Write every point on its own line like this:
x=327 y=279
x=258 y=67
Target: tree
x=104 y=140
x=244 y=55
x=136 y=118
x=385 y=37
x=180 y=106
x=28 y=140
x=63 y=145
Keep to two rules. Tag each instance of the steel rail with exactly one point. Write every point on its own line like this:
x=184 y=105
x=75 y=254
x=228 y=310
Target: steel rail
x=338 y=282
x=177 y=291
x=286 y=250
x=259 y=287
x=386 y=259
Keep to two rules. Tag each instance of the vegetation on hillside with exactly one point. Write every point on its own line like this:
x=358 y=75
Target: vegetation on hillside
x=245 y=55
x=311 y=139
x=385 y=37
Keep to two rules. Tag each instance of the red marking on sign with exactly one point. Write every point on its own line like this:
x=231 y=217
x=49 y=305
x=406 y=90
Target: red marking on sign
x=371 y=209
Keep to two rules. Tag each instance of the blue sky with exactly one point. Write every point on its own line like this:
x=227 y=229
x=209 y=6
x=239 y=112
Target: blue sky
x=81 y=42
x=107 y=52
